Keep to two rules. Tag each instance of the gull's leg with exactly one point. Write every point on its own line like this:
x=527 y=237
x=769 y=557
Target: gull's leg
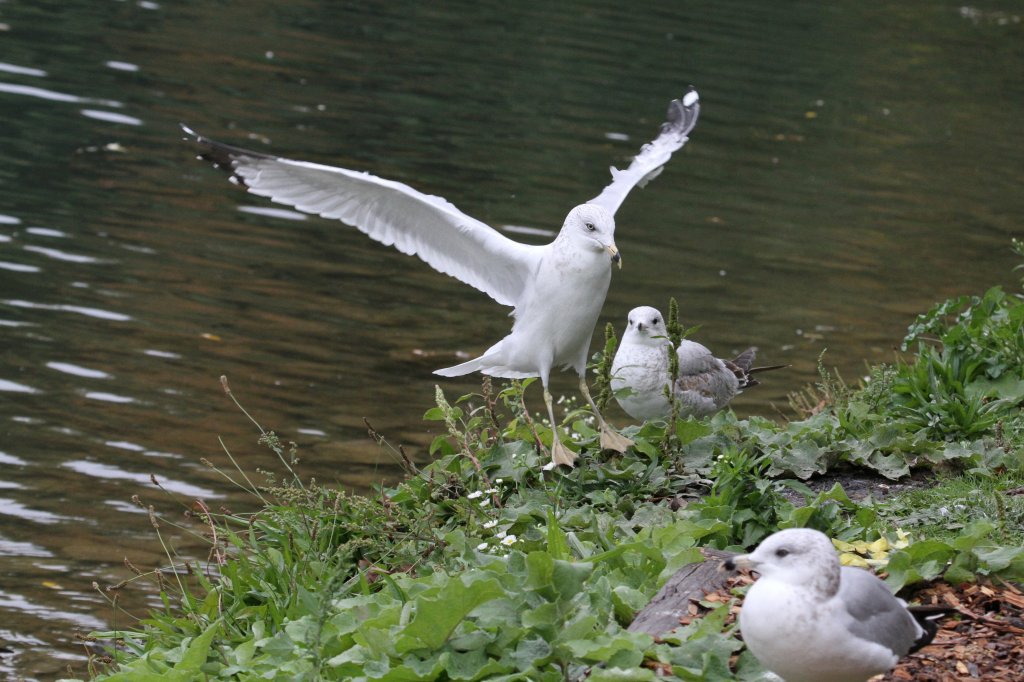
x=559 y=453
x=610 y=439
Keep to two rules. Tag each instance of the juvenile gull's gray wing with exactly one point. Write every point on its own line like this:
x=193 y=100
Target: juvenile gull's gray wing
x=681 y=118
x=875 y=614
x=389 y=212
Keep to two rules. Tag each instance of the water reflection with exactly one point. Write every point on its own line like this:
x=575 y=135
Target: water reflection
x=77 y=371
x=53 y=96
x=15 y=387
x=107 y=472
x=843 y=178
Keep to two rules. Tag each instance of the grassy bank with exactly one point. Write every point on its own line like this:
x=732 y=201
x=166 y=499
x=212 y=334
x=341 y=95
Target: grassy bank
x=484 y=564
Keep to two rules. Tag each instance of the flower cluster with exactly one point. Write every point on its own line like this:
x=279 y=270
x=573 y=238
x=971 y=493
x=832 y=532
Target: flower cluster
x=504 y=538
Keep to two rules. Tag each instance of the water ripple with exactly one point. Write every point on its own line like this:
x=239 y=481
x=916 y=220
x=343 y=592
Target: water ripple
x=109 y=397
x=271 y=212
x=78 y=371
x=14 y=548
x=16 y=602
x=18 y=267
x=165 y=354
x=124 y=445
x=17 y=509
x=54 y=96
x=57 y=254
x=122 y=66
x=11 y=460
x=22 y=70
x=14 y=387
x=105 y=471
x=46 y=232
x=111 y=117
x=81 y=310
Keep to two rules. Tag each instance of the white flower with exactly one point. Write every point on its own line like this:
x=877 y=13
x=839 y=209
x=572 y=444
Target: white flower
x=508 y=540
x=482 y=546
x=497 y=481
x=548 y=467
x=475 y=494
x=491 y=524
x=491 y=490
x=500 y=534
x=485 y=502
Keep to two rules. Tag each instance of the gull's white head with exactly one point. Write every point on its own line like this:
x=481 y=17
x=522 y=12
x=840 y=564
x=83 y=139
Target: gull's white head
x=645 y=326
x=797 y=556
x=593 y=225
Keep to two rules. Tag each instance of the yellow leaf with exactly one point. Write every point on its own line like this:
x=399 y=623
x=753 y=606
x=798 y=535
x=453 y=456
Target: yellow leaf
x=842 y=546
x=879 y=545
x=848 y=559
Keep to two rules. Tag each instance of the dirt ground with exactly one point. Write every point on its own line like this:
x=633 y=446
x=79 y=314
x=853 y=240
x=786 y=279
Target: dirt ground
x=859 y=484
x=985 y=641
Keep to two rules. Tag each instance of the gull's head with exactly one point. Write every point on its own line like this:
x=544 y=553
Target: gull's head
x=592 y=225
x=645 y=325
x=796 y=556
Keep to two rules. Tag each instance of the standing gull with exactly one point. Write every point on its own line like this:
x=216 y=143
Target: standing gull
x=556 y=290
x=705 y=383
x=808 y=619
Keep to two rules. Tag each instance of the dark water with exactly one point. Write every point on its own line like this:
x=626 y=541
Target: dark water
x=854 y=163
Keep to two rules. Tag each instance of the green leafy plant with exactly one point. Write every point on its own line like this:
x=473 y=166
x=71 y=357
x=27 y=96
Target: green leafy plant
x=484 y=563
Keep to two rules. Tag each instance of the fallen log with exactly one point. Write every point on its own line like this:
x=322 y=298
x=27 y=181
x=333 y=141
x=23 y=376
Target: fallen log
x=689 y=583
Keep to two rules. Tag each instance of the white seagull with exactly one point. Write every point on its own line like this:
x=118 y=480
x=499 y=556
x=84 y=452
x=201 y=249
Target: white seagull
x=705 y=383
x=556 y=290
x=808 y=619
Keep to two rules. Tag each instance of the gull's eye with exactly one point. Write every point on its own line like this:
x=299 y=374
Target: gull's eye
x=630 y=323
x=782 y=553
x=590 y=226
x=657 y=321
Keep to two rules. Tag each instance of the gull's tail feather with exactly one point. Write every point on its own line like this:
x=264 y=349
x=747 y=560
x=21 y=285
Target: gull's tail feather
x=491 y=363
x=468 y=367
x=741 y=367
x=749 y=380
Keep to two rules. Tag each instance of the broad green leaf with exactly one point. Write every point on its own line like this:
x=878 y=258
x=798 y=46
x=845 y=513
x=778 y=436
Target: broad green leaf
x=437 y=616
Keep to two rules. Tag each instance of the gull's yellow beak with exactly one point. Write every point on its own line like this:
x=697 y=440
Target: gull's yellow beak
x=614 y=251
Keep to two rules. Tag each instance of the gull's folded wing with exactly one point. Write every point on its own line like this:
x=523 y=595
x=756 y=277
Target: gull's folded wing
x=681 y=118
x=874 y=614
x=391 y=213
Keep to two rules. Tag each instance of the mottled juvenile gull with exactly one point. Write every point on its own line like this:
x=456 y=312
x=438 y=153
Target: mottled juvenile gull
x=556 y=290
x=705 y=383
x=808 y=619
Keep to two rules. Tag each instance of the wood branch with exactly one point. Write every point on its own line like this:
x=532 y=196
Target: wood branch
x=690 y=583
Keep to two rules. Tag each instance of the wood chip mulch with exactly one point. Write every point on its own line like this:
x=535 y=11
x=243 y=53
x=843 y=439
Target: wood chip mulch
x=984 y=642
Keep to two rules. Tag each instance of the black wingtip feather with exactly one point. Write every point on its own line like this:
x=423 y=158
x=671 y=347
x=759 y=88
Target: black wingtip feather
x=683 y=113
x=927 y=617
x=220 y=155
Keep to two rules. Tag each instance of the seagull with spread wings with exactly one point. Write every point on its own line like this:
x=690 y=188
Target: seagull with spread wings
x=556 y=290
